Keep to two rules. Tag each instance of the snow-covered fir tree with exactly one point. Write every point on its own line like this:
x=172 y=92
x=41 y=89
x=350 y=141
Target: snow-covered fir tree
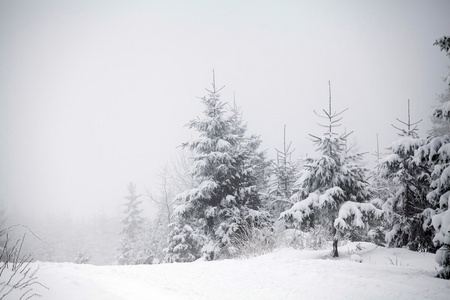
x=331 y=191
x=383 y=189
x=404 y=209
x=436 y=153
x=381 y=186
x=174 y=179
x=82 y=256
x=186 y=240
x=441 y=115
x=283 y=175
x=164 y=199
x=132 y=245
x=225 y=199
x=251 y=170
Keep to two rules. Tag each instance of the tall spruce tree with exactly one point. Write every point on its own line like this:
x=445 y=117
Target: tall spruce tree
x=436 y=153
x=331 y=191
x=225 y=200
x=404 y=209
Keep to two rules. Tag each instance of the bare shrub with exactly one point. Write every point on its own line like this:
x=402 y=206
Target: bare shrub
x=17 y=276
x=396 y=262
x=251 y=242
x=315 y=239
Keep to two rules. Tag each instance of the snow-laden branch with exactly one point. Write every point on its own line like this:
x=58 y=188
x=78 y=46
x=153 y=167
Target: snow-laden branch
x=315 y=201
x=441 y=223
x=354 y=214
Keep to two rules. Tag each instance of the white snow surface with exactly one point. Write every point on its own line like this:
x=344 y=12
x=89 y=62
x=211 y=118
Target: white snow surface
x=284 y=274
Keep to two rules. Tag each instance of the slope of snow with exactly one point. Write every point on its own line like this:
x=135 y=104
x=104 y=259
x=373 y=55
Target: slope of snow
x=284 y=274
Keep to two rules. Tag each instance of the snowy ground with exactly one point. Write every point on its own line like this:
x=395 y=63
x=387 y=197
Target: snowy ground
x=284 y=274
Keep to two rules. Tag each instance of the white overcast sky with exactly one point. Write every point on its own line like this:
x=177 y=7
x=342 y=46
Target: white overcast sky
x=95 y=94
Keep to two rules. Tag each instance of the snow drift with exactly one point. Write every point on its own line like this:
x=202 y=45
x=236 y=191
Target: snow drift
x=364 y=271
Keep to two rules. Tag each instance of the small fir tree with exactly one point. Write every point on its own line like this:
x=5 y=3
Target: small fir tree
x=404 y=209
x=185 y=241
x=383 y=189
x=82 y=256
x=132 y=245
x=283 y=177
x=331 y=191
x=174 y=179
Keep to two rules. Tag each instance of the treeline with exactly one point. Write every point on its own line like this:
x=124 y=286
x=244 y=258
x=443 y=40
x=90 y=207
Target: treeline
x=222 y=197
x=228 y=196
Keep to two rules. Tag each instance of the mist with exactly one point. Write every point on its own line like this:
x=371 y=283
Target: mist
x=96 y=94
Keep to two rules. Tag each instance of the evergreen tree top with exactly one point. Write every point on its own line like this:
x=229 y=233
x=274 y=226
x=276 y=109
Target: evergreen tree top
x=333 y=117
x=411 y=127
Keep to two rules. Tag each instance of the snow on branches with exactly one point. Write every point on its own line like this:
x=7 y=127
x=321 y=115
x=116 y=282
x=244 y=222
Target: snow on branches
x=441 y=224
x=354 y=214
x=331 y=188
x=435 y=154
x=284 y=173
x=226 y=168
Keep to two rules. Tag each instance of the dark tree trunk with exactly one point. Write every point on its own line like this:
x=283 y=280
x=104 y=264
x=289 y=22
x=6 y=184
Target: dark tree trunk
x=335 y=248
x=335 y=242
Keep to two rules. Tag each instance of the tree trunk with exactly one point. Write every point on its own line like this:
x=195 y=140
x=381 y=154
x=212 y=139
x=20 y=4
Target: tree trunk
x=335 y=242
x=335 y=248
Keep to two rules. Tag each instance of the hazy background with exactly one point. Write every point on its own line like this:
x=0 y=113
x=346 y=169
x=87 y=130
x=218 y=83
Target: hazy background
x=95 y=94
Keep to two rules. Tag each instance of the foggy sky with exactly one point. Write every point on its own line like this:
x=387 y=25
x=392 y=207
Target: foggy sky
x=95 y=94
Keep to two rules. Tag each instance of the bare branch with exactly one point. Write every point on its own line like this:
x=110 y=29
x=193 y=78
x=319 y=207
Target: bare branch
x=315 y=137
x=18 y=271
x=320 y=116
x=345 y=135
x=337 y=114
x=402 y=130
x=402 y=122
x=327 y=114
x=24 y=226
x=335 y=121
x=416 y=122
